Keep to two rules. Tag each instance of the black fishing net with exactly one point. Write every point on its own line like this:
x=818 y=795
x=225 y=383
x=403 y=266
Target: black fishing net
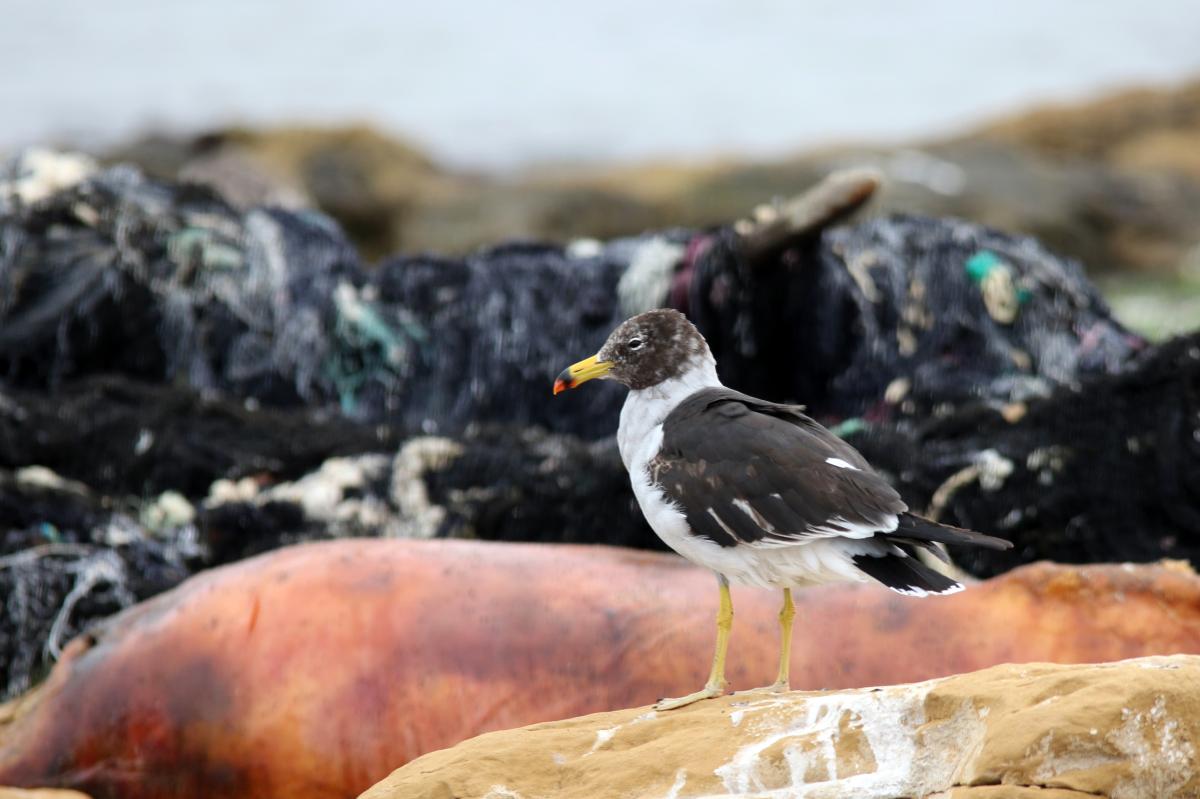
x=497 y=326
x=941 y=311
x=130 y=438
x=168 y=283
x=1107 y=470
x=164 y=282
x=68 y=558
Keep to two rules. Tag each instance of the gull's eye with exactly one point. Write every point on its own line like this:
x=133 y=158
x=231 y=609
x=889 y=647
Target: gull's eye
x=635 y=343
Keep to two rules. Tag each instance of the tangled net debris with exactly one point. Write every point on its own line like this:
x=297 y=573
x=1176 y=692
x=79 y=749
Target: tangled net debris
x=199 y=383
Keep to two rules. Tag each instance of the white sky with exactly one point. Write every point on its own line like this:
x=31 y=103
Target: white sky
x=498 y=84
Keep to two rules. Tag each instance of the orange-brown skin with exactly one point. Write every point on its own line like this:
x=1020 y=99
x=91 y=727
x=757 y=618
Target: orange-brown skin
x=316 y=670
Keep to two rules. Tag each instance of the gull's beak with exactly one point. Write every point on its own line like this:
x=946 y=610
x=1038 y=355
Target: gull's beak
x=581 y=372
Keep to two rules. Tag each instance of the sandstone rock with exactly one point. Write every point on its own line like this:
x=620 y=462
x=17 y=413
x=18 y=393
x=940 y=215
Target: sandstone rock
x=1144 y=144
x=366 y=179
x=244 y=180
x=313 y=671
x=1123 y=128
x=463 y=215
x=1128 y=730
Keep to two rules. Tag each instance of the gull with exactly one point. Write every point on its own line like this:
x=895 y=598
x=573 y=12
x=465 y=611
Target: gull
x=755 y=491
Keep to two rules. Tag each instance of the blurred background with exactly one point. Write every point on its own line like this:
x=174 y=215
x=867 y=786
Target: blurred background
x=281 y=273
x=488 y=86
x=452 y=125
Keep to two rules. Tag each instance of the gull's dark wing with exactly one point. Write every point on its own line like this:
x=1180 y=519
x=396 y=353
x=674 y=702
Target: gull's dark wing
x=747 y=471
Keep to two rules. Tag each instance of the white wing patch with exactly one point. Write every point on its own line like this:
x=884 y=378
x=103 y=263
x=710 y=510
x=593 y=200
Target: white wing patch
x=837 y=528
x=914 y=591
x=841 y=464
x=713 y=513
x=754 y=515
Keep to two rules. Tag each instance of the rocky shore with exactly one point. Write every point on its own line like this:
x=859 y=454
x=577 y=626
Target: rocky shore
x=1124 y=730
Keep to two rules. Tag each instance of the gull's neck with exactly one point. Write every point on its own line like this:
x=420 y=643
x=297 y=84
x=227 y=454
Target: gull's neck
x=646 y=408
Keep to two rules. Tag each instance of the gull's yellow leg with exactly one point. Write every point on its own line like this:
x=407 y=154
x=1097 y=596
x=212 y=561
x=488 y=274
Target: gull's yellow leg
x=716 y=677
x=786 y=614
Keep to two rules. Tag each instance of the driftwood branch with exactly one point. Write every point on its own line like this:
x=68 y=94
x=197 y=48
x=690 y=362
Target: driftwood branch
x=778 y=224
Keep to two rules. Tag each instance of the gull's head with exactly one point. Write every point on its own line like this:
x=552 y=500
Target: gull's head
x=644 y=351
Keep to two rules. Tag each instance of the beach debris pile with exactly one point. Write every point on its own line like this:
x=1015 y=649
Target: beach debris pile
x=197 y=382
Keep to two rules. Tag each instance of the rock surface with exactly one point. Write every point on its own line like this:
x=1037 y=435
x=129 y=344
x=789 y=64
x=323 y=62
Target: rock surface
x=1127 y=730
x=313 y=671
x=1148 y=128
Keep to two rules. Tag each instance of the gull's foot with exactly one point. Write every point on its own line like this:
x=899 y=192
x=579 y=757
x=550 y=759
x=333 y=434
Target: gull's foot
x=707 y=692
x=778 y=687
